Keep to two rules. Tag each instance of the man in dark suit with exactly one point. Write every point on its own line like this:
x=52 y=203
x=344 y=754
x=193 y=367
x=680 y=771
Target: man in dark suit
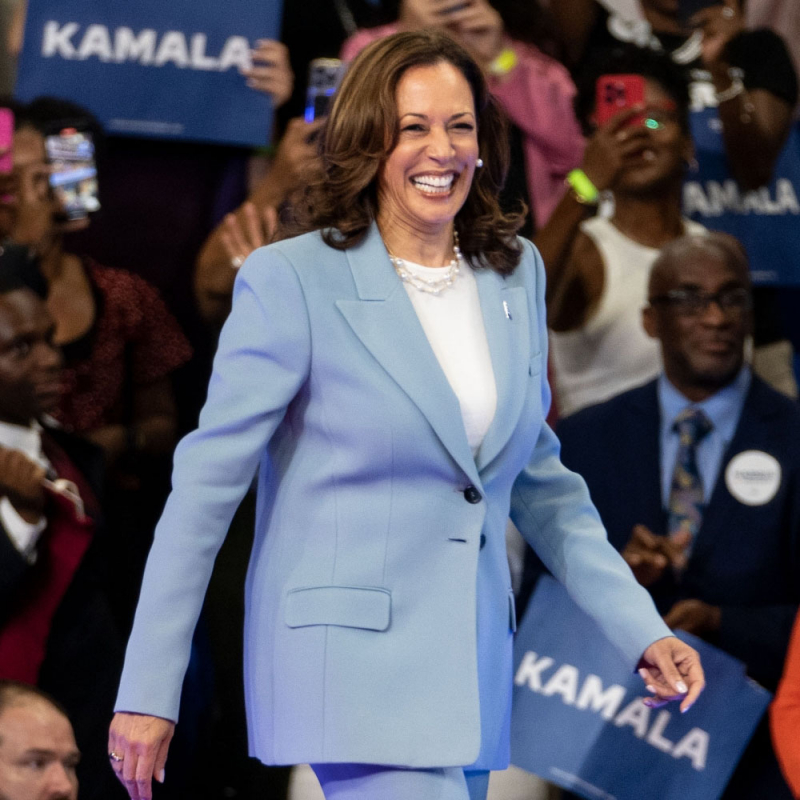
x=697 y=477
x=56 y=630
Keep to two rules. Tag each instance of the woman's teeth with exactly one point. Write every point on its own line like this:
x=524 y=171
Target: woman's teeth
x=433 y=184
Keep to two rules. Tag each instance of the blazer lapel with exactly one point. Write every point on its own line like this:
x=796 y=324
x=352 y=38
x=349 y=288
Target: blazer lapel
x=385 y=321
x=505 y=319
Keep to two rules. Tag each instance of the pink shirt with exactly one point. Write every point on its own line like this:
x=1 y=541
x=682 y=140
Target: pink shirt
x=537 y=96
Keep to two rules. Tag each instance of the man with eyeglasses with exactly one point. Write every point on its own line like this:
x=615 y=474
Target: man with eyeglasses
x=696 y=476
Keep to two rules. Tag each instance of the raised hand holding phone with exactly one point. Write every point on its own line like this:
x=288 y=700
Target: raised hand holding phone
x=479 y=28
x=271 y=72
x=416 y=14
x=611 y=144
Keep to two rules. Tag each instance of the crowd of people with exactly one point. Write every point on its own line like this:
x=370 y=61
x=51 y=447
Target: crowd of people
x=671 y=355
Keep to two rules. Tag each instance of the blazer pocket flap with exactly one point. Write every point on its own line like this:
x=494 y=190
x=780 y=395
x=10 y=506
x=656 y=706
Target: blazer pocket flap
x=349 y=606
x=535 y=364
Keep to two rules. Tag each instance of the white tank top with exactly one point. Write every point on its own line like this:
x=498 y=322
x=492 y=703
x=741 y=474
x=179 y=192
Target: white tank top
x=611 y=353
x=453 y=323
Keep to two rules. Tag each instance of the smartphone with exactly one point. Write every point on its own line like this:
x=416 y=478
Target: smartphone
x=688 y=8
x=324 y=75
x=70 y=152
x=616 y=93
x=6 y=140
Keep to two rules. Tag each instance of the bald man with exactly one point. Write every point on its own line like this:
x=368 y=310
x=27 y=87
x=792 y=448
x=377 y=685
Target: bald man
x=696 y=476
x=38 y=754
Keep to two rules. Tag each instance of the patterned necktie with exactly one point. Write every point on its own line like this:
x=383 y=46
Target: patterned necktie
x=686 y=491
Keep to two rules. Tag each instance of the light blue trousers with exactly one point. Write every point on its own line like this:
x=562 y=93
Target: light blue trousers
x=369 y=782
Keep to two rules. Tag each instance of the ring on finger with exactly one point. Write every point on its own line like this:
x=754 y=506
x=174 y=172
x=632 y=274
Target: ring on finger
x=116 y=757
x=728 y=12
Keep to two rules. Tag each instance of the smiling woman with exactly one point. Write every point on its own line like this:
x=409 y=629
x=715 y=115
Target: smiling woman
x=408 y=110
x=426 y=178
x=385 y=369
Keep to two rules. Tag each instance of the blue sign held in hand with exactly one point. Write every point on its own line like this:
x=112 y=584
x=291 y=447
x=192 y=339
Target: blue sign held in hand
x=578 y=719
x=154 y=69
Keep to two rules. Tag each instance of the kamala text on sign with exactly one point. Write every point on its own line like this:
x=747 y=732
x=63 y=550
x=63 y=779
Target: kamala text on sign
x=146 y=47
x=149 y=68
x=590 y=695
x=578 y=718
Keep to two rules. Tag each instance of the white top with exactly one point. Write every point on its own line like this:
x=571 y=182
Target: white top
x=453 y=322
x=611 y=353
x=24 y=535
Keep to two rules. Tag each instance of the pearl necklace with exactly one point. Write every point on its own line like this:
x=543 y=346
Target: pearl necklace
x=430 y=286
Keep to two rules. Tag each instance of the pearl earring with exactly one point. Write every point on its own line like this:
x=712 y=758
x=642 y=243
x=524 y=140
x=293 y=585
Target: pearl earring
x=479 y=163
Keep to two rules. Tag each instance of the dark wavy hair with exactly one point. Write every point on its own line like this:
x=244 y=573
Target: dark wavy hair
x=362 y=131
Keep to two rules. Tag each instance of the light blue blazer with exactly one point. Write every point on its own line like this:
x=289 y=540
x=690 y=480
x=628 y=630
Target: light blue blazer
x=363 y=623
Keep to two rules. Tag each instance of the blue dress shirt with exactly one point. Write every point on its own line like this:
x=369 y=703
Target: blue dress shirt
x=723 y=409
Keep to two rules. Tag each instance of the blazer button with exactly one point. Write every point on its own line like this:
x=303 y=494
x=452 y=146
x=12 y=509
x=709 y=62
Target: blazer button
x=472 y=495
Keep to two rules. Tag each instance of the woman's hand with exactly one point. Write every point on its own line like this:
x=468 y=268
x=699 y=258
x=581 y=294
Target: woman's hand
x=479 y=28
x=139 y=745
x=247 y=230
x=297 y=155
x=271 y=72
x=611 y=145
x=671 y=670
x=417 y=14
x=475 y=24
x=720 y=24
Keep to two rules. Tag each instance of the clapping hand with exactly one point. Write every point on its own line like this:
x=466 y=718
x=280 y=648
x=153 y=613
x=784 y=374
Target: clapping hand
x=247 y=230
x=649 y=555
x=694 y=616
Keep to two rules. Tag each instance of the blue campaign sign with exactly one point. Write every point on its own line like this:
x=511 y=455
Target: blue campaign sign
x=167 y=70
x=578 y=719
x=766 y=220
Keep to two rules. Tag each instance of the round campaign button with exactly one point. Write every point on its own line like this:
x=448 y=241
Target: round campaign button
x=753 y=477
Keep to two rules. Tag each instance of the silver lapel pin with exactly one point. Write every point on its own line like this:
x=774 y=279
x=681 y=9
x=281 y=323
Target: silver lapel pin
x=505 y=308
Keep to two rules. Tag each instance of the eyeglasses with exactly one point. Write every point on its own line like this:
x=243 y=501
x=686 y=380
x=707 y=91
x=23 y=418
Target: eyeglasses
x=689 y=303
